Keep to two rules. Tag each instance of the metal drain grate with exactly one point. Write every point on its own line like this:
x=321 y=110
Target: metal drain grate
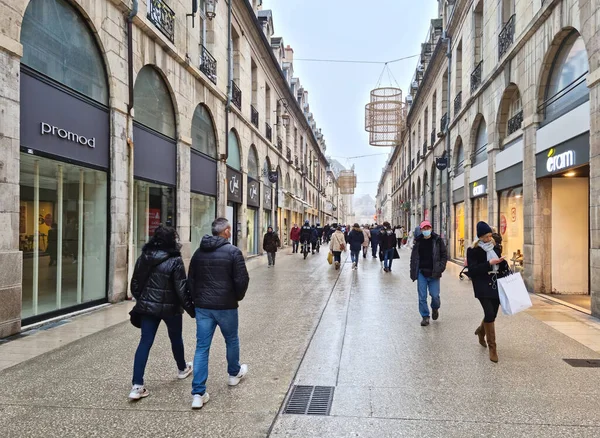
x=583 y=363
x=310 y=400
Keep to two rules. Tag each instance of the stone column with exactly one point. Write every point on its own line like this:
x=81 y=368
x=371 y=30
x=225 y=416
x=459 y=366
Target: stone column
x=11 y=262
x=532 y=210
x=594 y=86
x=183 y=213
x=221 y=189
x=468 y=206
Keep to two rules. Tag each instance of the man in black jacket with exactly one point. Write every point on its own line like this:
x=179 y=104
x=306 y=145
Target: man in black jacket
x=427 y=263
x=218 y=280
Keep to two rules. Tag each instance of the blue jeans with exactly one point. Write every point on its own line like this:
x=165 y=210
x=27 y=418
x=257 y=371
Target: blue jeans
x=149 y=328
x=388 y=258
x=295 y=245
x=374 y=243
x=207 y=321
x=423 y=283
x=354 y=256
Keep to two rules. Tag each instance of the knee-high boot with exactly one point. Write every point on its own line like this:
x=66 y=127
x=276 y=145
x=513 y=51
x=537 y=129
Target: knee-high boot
x=480 y=332
x=490 y=333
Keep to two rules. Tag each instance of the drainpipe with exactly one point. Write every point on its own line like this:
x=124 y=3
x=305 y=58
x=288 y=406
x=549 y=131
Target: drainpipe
x=447 y=147
x=229 y=80
x=131 y=249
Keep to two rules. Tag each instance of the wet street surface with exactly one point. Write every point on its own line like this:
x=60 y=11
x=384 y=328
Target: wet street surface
x=356 y=332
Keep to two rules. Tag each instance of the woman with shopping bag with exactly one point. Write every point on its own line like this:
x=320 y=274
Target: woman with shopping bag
x=486 y=265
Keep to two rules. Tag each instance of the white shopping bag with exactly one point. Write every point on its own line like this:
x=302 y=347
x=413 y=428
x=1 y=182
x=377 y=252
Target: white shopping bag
x=514 y=297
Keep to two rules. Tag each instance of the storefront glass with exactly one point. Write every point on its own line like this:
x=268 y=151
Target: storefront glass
x=204 y=210
x=267 y=221
x=511 y=226
x=153 y=205
x=459 y=230
x=480 y=212
x=252 y=230
x=62 y=233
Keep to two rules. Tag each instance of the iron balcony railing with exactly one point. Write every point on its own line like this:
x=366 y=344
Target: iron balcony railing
x=280 y=144
x=476 y=77
x=254 y=115
x=443 y=122
x=236 y=95
x=163 y=18
x=268 y=132
x=296 y=160
x=506 y=36
x=424 y=149
x=433 y=137
x=412 y=164
x=288 y=154
x=208 y=65
x=562 y=93
x=457 y=103
x=514 y=123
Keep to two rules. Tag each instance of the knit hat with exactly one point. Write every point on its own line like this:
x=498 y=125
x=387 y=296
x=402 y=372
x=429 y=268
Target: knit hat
x=483 y=229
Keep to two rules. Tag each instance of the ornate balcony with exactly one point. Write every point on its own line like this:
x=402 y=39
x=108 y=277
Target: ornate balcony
x=296 y=160
x=288 y=155
x=236 y=95
x=443 y=122
x=476 y=77
x=163 y=17
x=268 y=132
x=433 y=136
x=280 y=144
x=254 y=115
x=424 y=152
x=514 y=124
x=208 y=65
x=506 y=36
x=457 y=103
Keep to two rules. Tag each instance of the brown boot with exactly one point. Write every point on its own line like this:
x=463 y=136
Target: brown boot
x=481 y=333
x=490 y=333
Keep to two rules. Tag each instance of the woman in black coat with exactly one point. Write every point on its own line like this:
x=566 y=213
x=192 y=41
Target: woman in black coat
x=159 y=285
x=486 y=265
x=355 y=240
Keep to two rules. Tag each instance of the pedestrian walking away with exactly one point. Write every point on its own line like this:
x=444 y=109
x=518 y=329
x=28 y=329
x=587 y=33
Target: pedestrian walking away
x=295 y=238
x=159 y=285
x=367 y=240
x=337 y=245
x=399 y=232
x=375 y=238
x=356 y=238
x=486 y=265
x=388 y=244
x=427 y=263
x=270 y=244
x=218 y=280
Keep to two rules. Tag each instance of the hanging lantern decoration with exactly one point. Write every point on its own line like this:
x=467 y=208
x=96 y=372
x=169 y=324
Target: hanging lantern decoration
x=347 y=182
x=385 y=117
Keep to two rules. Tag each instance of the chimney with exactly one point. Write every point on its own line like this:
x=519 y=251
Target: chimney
x=289 y=54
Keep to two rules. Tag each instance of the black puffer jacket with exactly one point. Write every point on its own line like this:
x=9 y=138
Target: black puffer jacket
x=484 y=283
x=165 y=291
x=440 y=257
x=218 y=277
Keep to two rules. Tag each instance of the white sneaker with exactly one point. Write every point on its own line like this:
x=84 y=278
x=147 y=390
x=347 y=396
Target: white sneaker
x=138 y=392
x=188 y=370
x=234 y=380
x=199 y=400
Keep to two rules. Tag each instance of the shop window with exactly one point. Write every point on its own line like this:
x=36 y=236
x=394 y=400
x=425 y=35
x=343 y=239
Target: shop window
x=459 y=167
x=153 y=104
x=233 y=159
x=512 y=227
x=481 y=141
x=62 y=234
x=459 y=230
x=58 y=43
x=567 y=86
x=203 y=133
x=154 y=205
x=253 y=171
x=204 y=210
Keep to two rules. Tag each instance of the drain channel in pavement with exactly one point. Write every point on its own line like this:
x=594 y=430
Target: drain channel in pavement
x=583 y=363
x=310 y=400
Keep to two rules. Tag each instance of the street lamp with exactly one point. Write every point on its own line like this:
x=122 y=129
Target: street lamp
x=211 y=9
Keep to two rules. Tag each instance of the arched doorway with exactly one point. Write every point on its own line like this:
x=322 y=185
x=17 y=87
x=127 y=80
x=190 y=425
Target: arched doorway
x=64 y=119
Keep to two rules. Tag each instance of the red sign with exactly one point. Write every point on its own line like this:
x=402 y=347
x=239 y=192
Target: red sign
x=153 y=220
x=502 y=224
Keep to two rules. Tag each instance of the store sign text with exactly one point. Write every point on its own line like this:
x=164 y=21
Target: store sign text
x=48 y=129
x=560 y=162
x=479 y=190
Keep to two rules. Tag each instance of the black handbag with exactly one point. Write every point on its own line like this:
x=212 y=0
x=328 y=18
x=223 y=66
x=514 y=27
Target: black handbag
x=396 y=255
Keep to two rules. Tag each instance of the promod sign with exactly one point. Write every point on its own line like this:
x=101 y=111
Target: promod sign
x=556 y=163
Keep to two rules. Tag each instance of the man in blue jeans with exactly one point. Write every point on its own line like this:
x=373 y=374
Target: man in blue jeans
x=218 y=280
x=427 y=263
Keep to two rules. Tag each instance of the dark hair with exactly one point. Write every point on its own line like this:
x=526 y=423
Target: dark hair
x=164 y=238
x=219 y=225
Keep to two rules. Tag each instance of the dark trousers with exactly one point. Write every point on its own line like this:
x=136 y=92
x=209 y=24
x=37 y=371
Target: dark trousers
x=149 y=328
x=337 y=256
x=490 y=308
x=295 y=246
x=374 y=244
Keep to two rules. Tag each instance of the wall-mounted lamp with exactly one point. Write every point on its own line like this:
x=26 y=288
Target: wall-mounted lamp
x=211 y=9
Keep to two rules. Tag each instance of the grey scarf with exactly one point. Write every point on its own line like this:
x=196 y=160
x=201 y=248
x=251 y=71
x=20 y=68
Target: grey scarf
x=491 y=254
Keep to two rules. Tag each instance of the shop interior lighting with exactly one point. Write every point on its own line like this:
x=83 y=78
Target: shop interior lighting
x=570 y=174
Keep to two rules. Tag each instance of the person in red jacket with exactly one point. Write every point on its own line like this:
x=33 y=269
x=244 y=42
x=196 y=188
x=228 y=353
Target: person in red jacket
x=295 y=238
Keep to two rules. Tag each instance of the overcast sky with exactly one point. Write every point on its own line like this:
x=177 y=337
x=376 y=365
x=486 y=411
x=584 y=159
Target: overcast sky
x=375 y=30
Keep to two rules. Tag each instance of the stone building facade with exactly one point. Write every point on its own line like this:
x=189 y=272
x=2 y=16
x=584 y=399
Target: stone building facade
x=507 y=92
x=114 y=120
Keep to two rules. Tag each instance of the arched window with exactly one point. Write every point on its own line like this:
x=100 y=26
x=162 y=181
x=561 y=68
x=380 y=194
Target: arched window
x=203 y=132
x=459 y=164
x=58 y=43
x=233 y=159
x=567 y=87
x=153 y=104
x=266 y=170
x=481 y=141
x=253 y=163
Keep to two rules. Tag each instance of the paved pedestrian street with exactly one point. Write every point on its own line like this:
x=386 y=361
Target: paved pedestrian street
x=303 y=323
